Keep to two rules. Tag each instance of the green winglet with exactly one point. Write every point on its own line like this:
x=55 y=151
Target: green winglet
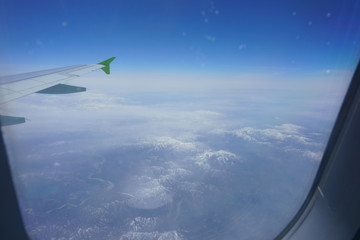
x=106 y=63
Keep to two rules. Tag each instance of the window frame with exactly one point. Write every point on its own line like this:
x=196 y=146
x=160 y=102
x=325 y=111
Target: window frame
x=336 y=170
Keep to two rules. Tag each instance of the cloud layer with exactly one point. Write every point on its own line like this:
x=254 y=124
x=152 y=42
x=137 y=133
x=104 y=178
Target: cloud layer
x=155 y=159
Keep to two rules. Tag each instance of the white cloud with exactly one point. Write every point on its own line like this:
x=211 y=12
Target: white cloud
x=289 y=128
x=96 y=101
x=143 y=223
x=210 y=38
x=169 y=175
x=57 y=143
x=169 y=143
x=246 y=133
x=280 y=133
x=209 y=159
x=64 y=24
x=313 y=155
x=242 y=46
x=180 y=129
x=171 y=235
x=305 y=153
x=147 y=193
x=285 y=132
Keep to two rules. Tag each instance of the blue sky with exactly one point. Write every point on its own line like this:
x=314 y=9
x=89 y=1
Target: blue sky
x=183 y=36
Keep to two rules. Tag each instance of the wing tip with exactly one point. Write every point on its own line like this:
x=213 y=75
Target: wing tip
x=106 y=64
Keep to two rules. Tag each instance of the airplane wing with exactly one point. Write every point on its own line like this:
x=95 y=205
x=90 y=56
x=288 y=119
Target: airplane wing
x=48 y=82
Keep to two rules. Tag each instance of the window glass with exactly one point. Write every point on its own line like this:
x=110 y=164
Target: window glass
x=211 y=125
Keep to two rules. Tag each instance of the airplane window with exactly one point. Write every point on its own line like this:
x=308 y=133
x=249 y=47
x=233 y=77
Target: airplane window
x=211 y=124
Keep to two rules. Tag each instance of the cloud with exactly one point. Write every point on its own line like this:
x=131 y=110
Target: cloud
x=169 y=143
x=169 y=175
x=143 y=223
x=147 y=193
x=153 y=185
x=97 y=101
x=242 y=46
x=64 y=24
x=289 y=128
x=286 y=138
x=210 y=38
x=280 y=133
x=313 y=155
x=56 y=143
x=209 y=159
x=171 y=235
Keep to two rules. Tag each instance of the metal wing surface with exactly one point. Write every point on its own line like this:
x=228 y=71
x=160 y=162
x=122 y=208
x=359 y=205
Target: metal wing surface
x=47 y=81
